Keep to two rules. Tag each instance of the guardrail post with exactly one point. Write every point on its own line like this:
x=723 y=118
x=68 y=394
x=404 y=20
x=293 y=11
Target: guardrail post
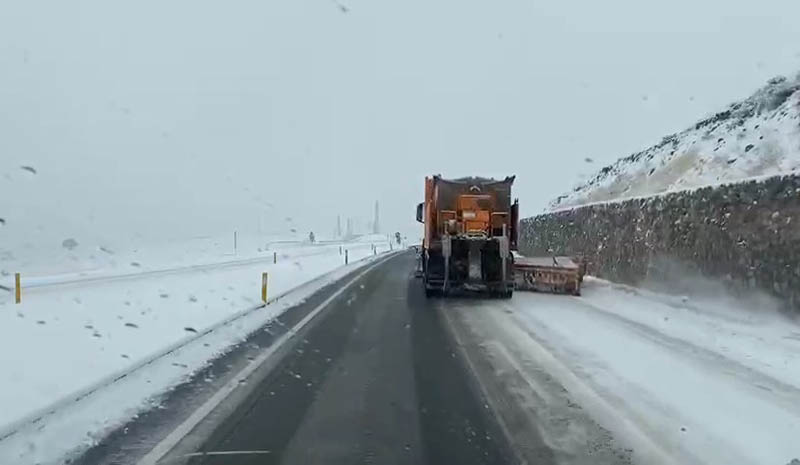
x=345 y=256
x=340 y=250
x=264 y=281
x=274 y=257
x=17 y=289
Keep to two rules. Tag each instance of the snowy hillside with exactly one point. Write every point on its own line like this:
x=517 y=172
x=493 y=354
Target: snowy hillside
x=758 y=136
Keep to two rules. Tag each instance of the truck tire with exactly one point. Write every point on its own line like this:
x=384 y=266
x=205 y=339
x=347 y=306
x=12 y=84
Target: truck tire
x=501 y=294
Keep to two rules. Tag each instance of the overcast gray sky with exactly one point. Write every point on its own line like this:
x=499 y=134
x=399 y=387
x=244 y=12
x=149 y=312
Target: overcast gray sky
x=185 y=117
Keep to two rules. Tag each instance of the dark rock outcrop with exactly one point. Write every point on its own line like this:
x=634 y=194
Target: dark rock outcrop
x=746 y=235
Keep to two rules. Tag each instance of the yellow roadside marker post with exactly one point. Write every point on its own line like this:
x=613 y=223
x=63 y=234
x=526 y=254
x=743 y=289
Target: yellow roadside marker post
x=17 y=288
x=264 y=280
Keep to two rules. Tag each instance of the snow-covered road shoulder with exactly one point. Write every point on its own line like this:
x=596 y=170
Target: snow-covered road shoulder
x=120 y=342
x=676 y=381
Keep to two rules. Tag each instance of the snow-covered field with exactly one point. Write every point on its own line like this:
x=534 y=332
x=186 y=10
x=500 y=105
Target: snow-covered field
x=676 y=380
x=76 y=332
x=756 y=137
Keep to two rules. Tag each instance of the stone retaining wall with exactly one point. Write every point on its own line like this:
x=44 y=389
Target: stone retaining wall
x=745 y=234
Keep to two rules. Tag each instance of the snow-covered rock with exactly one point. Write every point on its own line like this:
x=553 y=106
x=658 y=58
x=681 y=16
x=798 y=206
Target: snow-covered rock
x=758 y=136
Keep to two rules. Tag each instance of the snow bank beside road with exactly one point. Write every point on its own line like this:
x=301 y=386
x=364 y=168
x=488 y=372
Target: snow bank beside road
x=762 y=340
x=63 y=338
x=677 y=382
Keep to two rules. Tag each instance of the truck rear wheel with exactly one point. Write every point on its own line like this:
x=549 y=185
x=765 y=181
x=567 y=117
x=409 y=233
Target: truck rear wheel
x=496 y=294
x=429 y=292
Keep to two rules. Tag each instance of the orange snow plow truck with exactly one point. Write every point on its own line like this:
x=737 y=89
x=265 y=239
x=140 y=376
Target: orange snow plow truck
x=470 y=230
x=470 y=242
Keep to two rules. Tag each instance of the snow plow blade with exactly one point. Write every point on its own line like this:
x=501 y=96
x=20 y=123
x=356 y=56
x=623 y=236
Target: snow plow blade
x=560 y=275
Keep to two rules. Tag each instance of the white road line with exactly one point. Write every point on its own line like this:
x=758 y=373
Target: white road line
x=216 y=453
x=172 y=439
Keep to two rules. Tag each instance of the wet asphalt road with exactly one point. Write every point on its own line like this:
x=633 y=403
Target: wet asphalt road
x=375 y=380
